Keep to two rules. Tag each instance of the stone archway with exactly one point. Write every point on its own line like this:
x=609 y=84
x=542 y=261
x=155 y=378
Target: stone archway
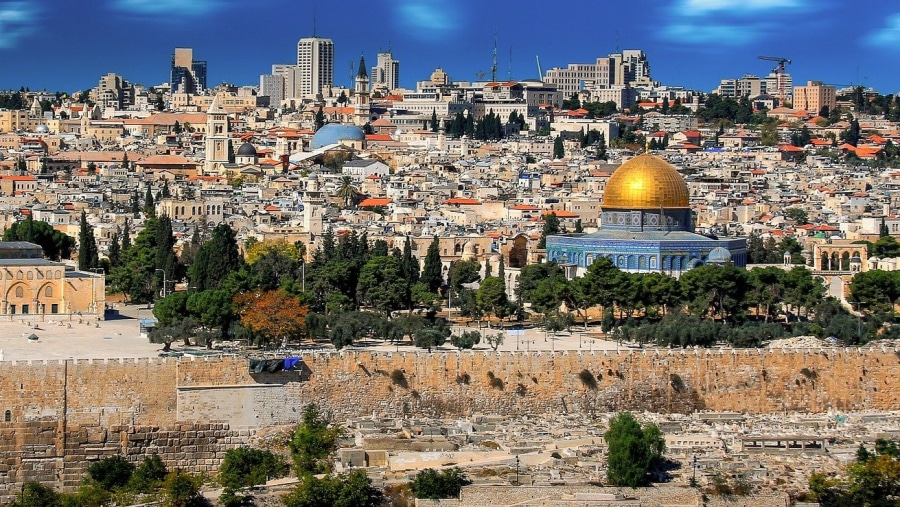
x=518 y=254
x=837 y=258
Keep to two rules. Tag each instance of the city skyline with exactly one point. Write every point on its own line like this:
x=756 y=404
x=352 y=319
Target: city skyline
x=691 y=43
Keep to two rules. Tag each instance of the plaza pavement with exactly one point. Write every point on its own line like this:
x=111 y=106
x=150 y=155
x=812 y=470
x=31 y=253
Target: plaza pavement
x=74 y=337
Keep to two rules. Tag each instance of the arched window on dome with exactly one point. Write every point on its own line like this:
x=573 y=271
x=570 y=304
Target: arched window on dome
x=642 y=263
x=620 y=262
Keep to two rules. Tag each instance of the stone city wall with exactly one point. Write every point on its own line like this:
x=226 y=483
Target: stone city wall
x=56 y=416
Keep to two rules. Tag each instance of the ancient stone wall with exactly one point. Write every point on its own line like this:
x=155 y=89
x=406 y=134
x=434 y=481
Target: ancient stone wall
x=56 y=416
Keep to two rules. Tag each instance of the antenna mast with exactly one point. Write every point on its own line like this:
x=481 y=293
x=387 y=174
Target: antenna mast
x=540 y=72
x=494 y=61
x=509 y=77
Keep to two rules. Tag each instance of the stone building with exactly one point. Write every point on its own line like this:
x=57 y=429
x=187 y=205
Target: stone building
x=34 y=285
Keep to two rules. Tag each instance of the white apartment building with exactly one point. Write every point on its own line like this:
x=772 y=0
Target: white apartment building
x=385 y=73
x=315 y=59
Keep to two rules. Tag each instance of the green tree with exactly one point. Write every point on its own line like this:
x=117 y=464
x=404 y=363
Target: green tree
x=799 y=215
x=347 y=192
x=381 y=284
x=432 y=271
x=88 y=255
x=715 y=290
x=351 y=490
x=633 y=451
x=492 y=297
x=466 y=340
x=216 y=259
x=149 y=475
x=320 y=119
x=878 y=290
x=111 y=473
x=149 y=205
x=551 y=227
x=314 y=440
x=434 y=121
x=181 y=489
x=35 y=494
x=435 y=485
x=56 y=245
x=886 y=246
x=245 y=467
x=559 y=150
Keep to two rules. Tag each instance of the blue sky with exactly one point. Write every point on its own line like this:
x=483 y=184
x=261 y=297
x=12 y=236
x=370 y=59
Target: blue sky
x=64 y=45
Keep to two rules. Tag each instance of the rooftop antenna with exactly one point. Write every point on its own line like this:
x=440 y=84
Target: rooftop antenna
x=494 y=61
x=390 y=47
x=509 y=77
x=352 y=81
x=617 y=41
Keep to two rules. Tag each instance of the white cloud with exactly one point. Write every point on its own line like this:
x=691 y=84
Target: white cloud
x=735 y=7
x=727 y=22
x=170 y=7
x=428 y=19
x=888 y=36
x=17 y=20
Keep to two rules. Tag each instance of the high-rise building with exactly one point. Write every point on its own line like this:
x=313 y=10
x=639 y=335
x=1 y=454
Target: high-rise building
x=272 y=86
x=315 y=59
x=619 y=70
x=187 y=75
x=814 y=96
x=386 y=73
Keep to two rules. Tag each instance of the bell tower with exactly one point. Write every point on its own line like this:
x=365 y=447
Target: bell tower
x=361 y=94
x=218 y=137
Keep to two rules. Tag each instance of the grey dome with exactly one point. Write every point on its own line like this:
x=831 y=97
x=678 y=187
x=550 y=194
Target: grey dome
x=718 y=255
x=246 y=150
x=334 y=133
x=42 y=129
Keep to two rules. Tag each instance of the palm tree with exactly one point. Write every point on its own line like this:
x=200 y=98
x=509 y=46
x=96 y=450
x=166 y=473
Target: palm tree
x=347 y=192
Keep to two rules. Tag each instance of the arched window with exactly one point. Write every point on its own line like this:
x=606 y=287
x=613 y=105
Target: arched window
x=30 y=275
x=48 y=291
x=19 y=292
x=18 y=275
x=7 y=416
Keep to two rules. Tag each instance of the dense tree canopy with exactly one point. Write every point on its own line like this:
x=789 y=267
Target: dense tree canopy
x=56 y=245
x=633 y=451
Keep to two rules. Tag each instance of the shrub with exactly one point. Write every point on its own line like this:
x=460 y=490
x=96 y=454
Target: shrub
x=463 y=378
x=430 y=484
x=588 y=380
x=677 y=383
x=113 y=472
x=245 y=467
x=399 y=378
x=809 y=374
x=149 y=475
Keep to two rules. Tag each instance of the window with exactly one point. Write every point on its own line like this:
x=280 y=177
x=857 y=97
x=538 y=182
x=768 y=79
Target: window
x=25 y=309
x=12 y=309
x=7 y=416
x=54 y=308
x=48 y=292
x=20 y=292
x=30 y=275
x=18 y=275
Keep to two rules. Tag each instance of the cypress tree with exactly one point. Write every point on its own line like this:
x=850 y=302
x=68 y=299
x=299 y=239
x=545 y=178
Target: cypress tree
x=87 y=246
x=216 y=259
x=149 y=206
x=432 y=275
x=408 y=264
x=115 y=250
x=501 y=271
x=126 y=236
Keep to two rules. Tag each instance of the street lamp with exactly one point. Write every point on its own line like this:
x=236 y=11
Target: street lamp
x=858 y=319
x=517 y=470
x=164 y=281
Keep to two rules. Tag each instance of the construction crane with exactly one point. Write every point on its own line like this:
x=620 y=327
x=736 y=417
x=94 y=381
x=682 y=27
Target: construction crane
x=779 y=72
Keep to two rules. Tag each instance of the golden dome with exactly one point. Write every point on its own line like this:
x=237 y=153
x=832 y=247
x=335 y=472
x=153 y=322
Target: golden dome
x=646 y=182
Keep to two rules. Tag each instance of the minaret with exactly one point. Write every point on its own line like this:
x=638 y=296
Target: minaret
x=217 y=136
x=361 y=94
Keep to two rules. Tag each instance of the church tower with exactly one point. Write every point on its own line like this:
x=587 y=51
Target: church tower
x=217 y=137
x=361 y=94
x=36 y=110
